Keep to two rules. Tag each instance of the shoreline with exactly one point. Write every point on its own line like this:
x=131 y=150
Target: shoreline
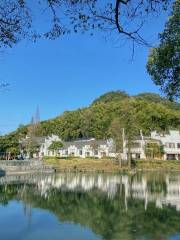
x=111 y=166
x=91 y=165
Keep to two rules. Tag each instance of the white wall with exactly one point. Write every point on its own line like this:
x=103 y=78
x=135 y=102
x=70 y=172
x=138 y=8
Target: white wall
x=172 y=137
x=44 y=147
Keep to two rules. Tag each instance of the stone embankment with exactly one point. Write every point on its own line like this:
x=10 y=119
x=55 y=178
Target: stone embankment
x=24 y=166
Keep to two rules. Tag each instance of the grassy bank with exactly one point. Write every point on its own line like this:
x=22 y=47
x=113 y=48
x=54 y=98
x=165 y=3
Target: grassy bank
x=77 y=164
x=170 y=165
x=109 y=165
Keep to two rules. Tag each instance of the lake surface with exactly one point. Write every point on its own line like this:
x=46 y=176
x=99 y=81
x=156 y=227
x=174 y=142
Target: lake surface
x=90 y=207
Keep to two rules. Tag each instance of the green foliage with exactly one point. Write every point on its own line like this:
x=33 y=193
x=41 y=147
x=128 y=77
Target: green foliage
x=8 y=141
x=164 y=61
x=31 y=146
x=55 y=145
x=116 y=132
x=111 y=96
x=156 y=98
x=13 y=151
x=12 y=140
x=153 y=150
x=18 y=18
x=95 y=121
x=129 y=122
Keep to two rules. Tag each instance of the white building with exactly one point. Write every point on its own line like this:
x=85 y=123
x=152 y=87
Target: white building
x=44 y=147
x=138 y=147
x=138 y=187
x=170 y=142
x=79 y=148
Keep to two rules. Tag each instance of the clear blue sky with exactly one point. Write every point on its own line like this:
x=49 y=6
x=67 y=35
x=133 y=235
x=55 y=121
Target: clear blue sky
x=69 y=73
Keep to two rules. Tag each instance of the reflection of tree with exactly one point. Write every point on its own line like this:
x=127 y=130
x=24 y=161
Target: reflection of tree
x=156 y=184
x=105 y=216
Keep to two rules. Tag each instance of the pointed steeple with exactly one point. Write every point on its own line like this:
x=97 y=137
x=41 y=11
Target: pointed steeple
x=32 y=120
x=37 y=115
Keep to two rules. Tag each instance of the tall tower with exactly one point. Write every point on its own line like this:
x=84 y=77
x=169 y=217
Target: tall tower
x=37 y=115
x=32 y=120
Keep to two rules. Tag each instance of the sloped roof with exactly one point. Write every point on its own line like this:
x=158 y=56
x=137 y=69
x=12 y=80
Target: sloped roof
x=139 y=138
x=38 y=140
x=81 y=143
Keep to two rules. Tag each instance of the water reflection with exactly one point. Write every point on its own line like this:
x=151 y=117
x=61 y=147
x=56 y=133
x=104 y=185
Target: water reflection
x=143 y=206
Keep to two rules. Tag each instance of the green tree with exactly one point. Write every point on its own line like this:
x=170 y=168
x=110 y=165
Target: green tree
x=113 y=96
x=130 y=124
x=55 y=146
x=13 y=151
x=9 y=141
x=116 y=132
x=154 y=150
x=30 y=146
x=164 y=61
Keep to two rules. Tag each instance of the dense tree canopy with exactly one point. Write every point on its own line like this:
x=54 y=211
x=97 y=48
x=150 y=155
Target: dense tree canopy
x=164 y=61
x=111 y=96
x=21 y=18
x=11 y=141
x=55 y=145
x=125 y=126
x=95 y=121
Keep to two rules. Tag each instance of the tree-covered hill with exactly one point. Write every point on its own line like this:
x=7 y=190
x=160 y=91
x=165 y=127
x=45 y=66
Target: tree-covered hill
x=155 y=98
x=111 y=96
x=152 y=113
x=115 y=96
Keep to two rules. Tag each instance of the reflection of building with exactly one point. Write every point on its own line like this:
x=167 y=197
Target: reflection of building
x=173 y=193
x=136 y=187
x=141 y=187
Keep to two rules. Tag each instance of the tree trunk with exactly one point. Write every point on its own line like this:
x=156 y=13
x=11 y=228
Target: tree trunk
x=129 y=157
x=120 y=160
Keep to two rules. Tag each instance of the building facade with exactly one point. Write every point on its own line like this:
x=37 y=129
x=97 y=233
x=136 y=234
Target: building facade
x=80 y=148
x=141 y=147
x=170 y=142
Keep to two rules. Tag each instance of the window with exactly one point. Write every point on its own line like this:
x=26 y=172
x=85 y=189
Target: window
x=87 y=154
x=66 y=152
x=80 y=152
x=178 y=145
x=103 y=154
x=95 y=152
x=171 y=157
x=138 y=155
x=136 y=145
x=170 y=145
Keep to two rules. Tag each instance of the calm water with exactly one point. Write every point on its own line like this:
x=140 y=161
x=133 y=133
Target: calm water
x=90 y=207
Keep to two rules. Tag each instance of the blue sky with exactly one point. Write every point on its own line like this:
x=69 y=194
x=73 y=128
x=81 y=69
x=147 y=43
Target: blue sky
x=69 y=73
